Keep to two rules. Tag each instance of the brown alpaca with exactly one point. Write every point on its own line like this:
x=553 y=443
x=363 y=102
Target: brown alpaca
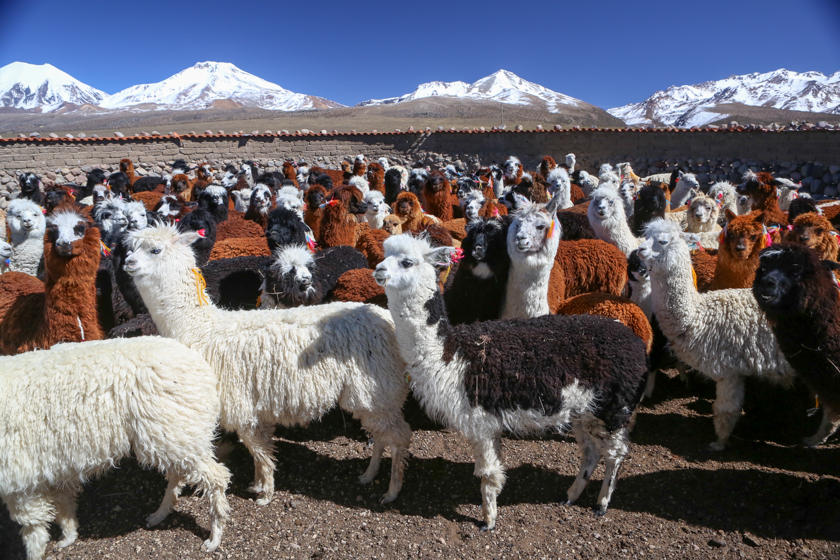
x=591 y=265
x=437 y=196
x=546 y=164
x=815 y=232
x=360 y=168
x=392 y=224
x=371 y=245
x=613 y=307
x=240 y=247
x=335 y=175
x=182 y=186
x=358 y=285
x=315 y=196
x=742 y=240
x=492 y=209
x=290 y=172
x=338 y=226
x=127 y=167
x=203 y=179
x=704 y=262
x=15 y=286
x=237 y=226
x=376 y=177
x=350 y=197
x=150 y=199
x=457 y=228
x=576 y=193
x=532 y=190
x=66 y=312
x=761 y=187
x=407 y=208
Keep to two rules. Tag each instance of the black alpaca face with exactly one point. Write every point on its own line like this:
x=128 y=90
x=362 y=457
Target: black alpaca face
x=315 y=198
x=118 y=182
x=777 y=281
x=29 y=183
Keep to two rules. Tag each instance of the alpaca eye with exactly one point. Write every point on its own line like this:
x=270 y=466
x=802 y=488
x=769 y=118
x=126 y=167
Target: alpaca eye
x=541 y=227
x=154 y=251
x=407 y=263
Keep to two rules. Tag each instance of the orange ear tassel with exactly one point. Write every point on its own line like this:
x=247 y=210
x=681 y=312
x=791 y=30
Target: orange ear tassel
x=200 y=287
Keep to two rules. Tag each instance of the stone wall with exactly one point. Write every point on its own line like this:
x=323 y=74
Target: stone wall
x=810 y=156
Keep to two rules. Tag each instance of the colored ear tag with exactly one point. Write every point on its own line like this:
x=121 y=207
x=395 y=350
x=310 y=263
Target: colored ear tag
x=551 y=230
x=457 y=255
x=311 y=244
x=202 y=232
x=106 y=252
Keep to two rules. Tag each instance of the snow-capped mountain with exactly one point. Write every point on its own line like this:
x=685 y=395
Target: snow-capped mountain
x=690 y=105
x=34 y=86
x=208 y=84
x=502 y=86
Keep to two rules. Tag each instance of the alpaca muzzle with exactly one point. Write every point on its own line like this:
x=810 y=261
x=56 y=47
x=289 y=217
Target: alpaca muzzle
x=381 y=276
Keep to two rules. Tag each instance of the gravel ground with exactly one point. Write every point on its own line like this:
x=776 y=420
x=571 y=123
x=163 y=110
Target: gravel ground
x=762 y=498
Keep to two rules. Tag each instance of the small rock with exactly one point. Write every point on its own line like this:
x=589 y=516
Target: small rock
x=750 y=540
x=119 y=134
x=716 y=543
x=53 y=135
x=208 y=132
x=155 y=133
x=34 y=135
x=255 y=132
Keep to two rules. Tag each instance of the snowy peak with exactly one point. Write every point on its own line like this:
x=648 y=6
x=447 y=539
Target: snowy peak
x=693 y=105
x=44 y=87
x=209 y=84
x=503 y=86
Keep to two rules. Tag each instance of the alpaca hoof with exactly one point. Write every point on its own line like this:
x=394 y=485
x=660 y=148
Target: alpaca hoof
x=717 y=445
x=255 y=488
x=569 y=503
x=387 y=498
x=366 y=478
x=813 y=441
x=600 y=511
x=156 y=518
x=485 y=528
x=209 y=545
x=67 y=540
x=264 y=500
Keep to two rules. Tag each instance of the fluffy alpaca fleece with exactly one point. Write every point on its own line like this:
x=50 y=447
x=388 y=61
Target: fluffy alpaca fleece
x=181 y=185
x=394 y=183
x=279 y=366
x=16 y=287
x=546 y=165
x=370 y=244
x=722 y=334
x=376 y=177
x=589 y=265
x=67 y=311
x=338 y=226
x=815 y=232
x=478 y=286
x=613 y=307
x=290 y=172
x=801 y=206
x=297 y=277
x=726 y=196
x=26 y=224
x=358 y=286
x=72 y=412
x=587 y=183
x=392 y=224
x=215 y=200
x=240 y=247
x=788 y=191
x=234 y=283
x=681 y=194
x=737 y=258
x=407 y=208
x=237 y=226
x=519 y=376
x=437 y=199
x=285 y=228
x=608 y=221
x=290 y=198
x=315 y=197
x=241 y=199
x=799 y=296
x=376 y=209
x=5 y=256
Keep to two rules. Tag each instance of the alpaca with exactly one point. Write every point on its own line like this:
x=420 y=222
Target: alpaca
x=437 y=199
x=558 y=182
x=30 y=188
x=650 y=204
x=291 y=198
x=234 y=282
x=408 y=209
x=290 y=172
x=5 y=257
x=801 y=206
x=315 y=197
x=815 y=232
x=702 y=220
x=377 y=208
x=614 y=307
x=260 y=205
x=279 y=366
x=285 y=228
x=72 y=412
x=741 y=241
x=727 y=198
x=417 y=179
x=67 y=310
x=26 y=223
x=681 y=194
x=357 y=285
x=338 y=226
x=394 y=184
x=202 y=222
x=512 y=171
x=798 y=294
x=376 y=177
x=370 y=244
x=241 y=199
x=761 y=188
x=627 y=191
x=215 y=200
x=471 y=204
x=787 y=192
x=608 y=221
x=172 y=208
x=519 y=376
x=181 y=185
x=546 y=165
x=240 y=247
x=110 y=217
x=587 y=183
x=392 y=224
x=721 y=334
x=297 y=277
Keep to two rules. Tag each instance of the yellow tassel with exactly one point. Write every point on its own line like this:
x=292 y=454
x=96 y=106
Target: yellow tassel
x=694 y=277
x=200 y=286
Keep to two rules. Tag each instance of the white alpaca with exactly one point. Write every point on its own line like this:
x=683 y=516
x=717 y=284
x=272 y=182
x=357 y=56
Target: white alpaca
x=788 y=191
x=282 y=366
x=241 y=199
x=570 y=162
x=360 y=183
x=560 y=185
x=290 y=198
x=376 y=209
x=727 y=197
x=682 y=192
x=722 y=334
x=532 y=241
x=27 y=224
x=608 y=220
x=5 y=256
x=702 y=221
x=512 y=168
x=588 y=183
x=471 y=203
x=520 y=376
x=72 y=412
x=627 y=191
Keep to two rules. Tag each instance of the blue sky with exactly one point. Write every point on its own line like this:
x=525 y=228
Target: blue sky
x=605 y=52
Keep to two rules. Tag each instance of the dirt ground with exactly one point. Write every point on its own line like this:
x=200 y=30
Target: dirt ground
x=764 y=497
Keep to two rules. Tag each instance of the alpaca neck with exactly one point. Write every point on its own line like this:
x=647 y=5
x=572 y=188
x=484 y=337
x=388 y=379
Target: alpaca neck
x=70 y=292
x=420 y=323
x=616 y=231
x=673 y=294
x=27 y=254
x=526 y=294
x=179 y=307
x=565 y=198
x=640 y=294
x=376 y=220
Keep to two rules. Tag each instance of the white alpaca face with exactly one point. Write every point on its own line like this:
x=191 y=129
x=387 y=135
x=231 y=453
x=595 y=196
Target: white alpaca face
x=136 y=214
x=410 y=263
x=376 y=204
x=512 y=167
x=529 y=229
x=110 y=214
x=659 y=237
x=627 y=191
x=158 y=252
x=289 y=198
x=293 y=267
x=64 y=229
x=100 y=192
x=472 y=204
x=604 y=203
x=702 y=209
x=25 y=218
x=261 y=198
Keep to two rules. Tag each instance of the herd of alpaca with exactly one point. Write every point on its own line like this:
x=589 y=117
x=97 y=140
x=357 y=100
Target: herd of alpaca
x=507 y=300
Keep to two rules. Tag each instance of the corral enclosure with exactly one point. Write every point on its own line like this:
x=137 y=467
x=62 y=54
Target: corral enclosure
x=812 y=156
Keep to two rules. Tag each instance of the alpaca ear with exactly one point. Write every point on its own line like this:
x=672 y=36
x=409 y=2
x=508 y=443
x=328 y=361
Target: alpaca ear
x=553 y=204
x=519 y=200
x=188 y=238
x=730 y=215
x=440 y=257
x=830 y=265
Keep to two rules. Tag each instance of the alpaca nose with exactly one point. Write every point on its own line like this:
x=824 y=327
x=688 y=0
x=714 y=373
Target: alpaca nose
x=479 y=252
x=304 y=283
x=741 y=246
x=64 y=247
x=805 y=237
x=380 y=275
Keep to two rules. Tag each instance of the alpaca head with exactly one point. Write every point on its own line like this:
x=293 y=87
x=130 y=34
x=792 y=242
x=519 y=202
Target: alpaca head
x=285 y=227
x=464 y=186
x=650 y=204
x=241 y=199
x=289 y=169
x=627 y=192
x=292 y=275
x=703 y=212
x=180 y=166
x=472 y=204
x=135 y=213
x=375 y=204
x=605 y=168
x=290 y=199
x=791 y=278
x=570 y=162
x=261 y=199
x=118 y=184
x=202 y=222
x=360 y=165
x=65 y=231
x=160 y=255
x=204 y=172
x=110 y=216
x=126 y=166
x=437 y=183
x=230 y=178
x=5 y=253
x=547 y=163
x=606 y=206
x=534 y=229
x=169 y=207
x=98 y=193
x=29 y=184
x=486 y=243
x=351 y=198
x=411 y=265
x=57 y=196
x=360 y=183
x=407 y=206
x=392 y=224
x=249 y=172
x=815 y=232
x=559 y=182
x=723 y=193
x=315 y=196
x=215 y=199
x=383 y=161
x=637 y=270
x=179 y=183
x=25 y=220
x=801 y=206
x=587 y=182
x=512 y=169
x=743 y=236
x=663 y=245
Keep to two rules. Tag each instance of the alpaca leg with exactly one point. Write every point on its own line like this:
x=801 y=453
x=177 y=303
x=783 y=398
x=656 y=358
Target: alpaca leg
x=829 y=424
x=492 y=474
x=34 y=513
x=649 y=384
x=614 y=448
x=261 y=447
x=170 y=497
x=398 y=441
x=375 y=458
x=214 y=478
x=589 y=461
x=65 y=505
x=729 y=397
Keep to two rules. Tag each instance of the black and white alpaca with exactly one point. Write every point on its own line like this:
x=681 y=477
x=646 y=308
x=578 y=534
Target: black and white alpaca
x=110 y=217
x=215 y=200
x=471 y=203
x=30 y=187
x=285 y=227
x=517 y=376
